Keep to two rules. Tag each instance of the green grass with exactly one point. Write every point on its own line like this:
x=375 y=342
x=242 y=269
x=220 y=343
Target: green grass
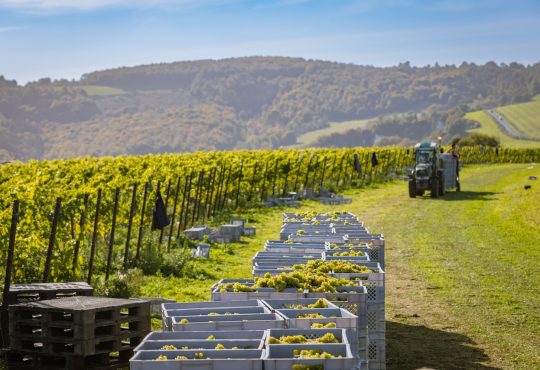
x=226 y=261
x=463 y=271
x=525 y=117
x=95 y=90
x=311 y=137
x=489 y=127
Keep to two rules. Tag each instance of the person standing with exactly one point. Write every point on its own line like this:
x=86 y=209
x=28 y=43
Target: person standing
x=455 y=154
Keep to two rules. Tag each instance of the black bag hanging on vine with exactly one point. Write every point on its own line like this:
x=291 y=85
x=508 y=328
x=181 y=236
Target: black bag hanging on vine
x=357 y=166
x=159 y=214
x=374 y=160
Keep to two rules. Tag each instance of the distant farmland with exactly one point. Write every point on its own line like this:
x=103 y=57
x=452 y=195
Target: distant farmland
x=309 y=138
x=524 y=117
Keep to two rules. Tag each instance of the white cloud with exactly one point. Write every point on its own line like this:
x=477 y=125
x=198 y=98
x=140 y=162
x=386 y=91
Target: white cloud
x=56 y=6
x=9 y=29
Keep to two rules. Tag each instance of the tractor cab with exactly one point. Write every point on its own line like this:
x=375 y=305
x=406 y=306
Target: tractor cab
x=426 y=172
x=433 y=171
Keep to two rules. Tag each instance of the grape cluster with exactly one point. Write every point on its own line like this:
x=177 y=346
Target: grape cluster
x=319 y=304
x=310 y=316
x=301 y=280
x=317 y=325
x=300 y=339
x=312 y=353
x=222 y=314
x=165 y=358
x=350 y=253
x=311 y=276
x=169 y=347
x=320 y=266
x=235 y=287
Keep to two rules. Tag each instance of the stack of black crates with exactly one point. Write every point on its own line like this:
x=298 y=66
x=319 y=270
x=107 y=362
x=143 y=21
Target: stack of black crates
x=76 y=332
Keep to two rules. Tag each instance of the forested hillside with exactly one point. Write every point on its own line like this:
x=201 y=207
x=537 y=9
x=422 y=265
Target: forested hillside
x=254 y=102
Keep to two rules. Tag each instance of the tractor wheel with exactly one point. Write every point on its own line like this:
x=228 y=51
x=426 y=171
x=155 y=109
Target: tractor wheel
x=412 y=189
x=435 y=187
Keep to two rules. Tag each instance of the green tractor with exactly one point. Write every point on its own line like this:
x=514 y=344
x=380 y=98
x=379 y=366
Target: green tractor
x=433 y=171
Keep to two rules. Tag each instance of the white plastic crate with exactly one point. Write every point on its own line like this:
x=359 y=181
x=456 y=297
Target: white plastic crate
x=277 y=262
x=281 y=243
x=260 y=272
x=350 y=298
x=246 y=359
x=194 y=335
x=298 y=248
x=377 y=352
x=198 y=344
x=343 y=318
x=278 y=304
x=353 y=259
x=318 y=239
x=281 y=357
x=281 y=255
x=250 y=230
x=208 y=304
x=167 y=307
x=169 y=314
x=340 y=334
x=376 y=275
x=259 y=321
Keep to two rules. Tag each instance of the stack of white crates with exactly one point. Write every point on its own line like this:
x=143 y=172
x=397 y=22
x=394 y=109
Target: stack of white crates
x=241 y=329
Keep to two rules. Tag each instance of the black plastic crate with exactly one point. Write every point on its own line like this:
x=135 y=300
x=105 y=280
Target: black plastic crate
x=21 y=293
x=16 y=360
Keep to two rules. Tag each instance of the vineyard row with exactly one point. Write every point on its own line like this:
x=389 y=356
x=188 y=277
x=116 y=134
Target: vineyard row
x=102 y=219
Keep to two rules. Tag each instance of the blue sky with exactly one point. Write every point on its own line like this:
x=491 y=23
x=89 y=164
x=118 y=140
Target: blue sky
x=66 y=38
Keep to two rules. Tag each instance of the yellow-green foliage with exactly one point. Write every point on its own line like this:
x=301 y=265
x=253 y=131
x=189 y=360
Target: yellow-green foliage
x=38 y=184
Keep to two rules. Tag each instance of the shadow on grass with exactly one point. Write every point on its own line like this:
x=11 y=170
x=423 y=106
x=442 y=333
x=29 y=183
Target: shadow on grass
x=464 y=195
x=414 y=347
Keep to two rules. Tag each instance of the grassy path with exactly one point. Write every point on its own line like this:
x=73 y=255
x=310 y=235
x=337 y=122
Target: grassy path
x=463 y=271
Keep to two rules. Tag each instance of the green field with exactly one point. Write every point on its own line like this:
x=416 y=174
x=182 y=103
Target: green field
x=525 y=117
x=489 y=127
x=463 y=271
x=95 y=90
x=309 y=138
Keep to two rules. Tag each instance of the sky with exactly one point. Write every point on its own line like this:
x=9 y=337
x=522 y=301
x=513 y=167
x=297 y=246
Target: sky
x=67 y=38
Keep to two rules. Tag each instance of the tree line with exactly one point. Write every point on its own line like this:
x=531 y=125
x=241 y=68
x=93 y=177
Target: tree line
x=252 y=102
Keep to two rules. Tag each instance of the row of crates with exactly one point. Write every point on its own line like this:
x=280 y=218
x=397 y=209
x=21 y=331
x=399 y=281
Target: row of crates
x=242 y=335
x=335 y=236
x=357 y=310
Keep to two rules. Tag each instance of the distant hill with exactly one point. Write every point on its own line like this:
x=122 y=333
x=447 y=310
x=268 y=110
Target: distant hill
x=523 y=118
x=253 y=102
